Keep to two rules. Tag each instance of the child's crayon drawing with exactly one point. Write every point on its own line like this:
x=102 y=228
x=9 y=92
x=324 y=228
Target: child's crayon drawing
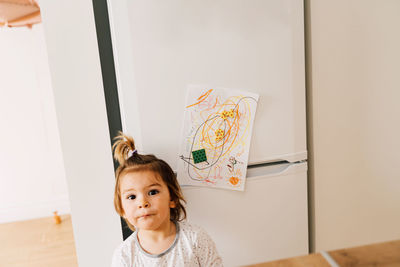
x=216 y=137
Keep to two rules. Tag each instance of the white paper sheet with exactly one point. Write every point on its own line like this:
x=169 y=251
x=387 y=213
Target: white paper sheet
x=216 y=136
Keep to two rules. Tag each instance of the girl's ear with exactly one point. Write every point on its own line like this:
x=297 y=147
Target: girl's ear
x=172 y=204
x=123 y=214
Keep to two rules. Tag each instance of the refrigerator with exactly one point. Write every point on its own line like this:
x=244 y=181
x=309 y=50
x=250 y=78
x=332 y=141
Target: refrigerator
x=161 y=47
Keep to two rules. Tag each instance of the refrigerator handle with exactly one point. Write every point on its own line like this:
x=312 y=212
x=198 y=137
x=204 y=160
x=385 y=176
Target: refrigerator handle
x=277 y=169
x=294 y=157
x=270 y=170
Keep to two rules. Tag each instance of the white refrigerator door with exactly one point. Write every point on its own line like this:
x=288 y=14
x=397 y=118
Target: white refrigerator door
x=161 y=47
x=267 y=221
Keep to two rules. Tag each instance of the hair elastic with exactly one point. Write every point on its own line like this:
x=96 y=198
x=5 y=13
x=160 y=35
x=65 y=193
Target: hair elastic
x=131 y=153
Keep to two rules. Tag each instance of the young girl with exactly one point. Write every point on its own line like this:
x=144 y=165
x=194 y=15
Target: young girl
x=147 y=195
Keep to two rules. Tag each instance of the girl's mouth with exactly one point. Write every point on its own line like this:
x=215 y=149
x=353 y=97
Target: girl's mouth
x=145 y=216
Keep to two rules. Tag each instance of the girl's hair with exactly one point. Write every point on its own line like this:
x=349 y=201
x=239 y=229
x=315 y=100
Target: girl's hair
x=131 y=161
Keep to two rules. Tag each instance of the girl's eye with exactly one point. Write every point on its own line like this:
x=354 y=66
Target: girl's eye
x=153 y=192
x=131 y=197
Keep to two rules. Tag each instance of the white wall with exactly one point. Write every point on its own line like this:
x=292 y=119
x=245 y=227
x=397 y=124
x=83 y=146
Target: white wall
x=354 y=121
x=32 y=177
x=74 y=61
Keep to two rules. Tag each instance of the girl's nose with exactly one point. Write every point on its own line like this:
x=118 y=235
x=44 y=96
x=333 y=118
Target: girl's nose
x=144 y=204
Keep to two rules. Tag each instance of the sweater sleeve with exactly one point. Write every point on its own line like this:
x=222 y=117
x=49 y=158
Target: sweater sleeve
x=206 y=250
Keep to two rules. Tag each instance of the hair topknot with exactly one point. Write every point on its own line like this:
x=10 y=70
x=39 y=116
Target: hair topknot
x=122 y=146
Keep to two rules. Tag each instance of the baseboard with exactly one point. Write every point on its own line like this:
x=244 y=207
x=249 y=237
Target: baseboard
x=31 y=210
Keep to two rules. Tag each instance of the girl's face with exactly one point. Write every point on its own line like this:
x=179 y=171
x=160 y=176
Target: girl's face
x=146 y=201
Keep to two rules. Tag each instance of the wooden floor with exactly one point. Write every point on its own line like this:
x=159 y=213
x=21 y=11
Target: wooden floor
x=385 y=254
x=381 y=254
x=37 y=243
x=42 y=243
x=312 y=260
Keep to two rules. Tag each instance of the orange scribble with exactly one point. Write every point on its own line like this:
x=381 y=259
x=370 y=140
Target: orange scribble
x=227 y=117
x=201 y=98
x=234 y=180
x=216 y=102
x=209 y=181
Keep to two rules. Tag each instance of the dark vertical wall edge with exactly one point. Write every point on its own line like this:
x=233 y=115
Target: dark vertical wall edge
x=309 y=122
x=109 y=78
